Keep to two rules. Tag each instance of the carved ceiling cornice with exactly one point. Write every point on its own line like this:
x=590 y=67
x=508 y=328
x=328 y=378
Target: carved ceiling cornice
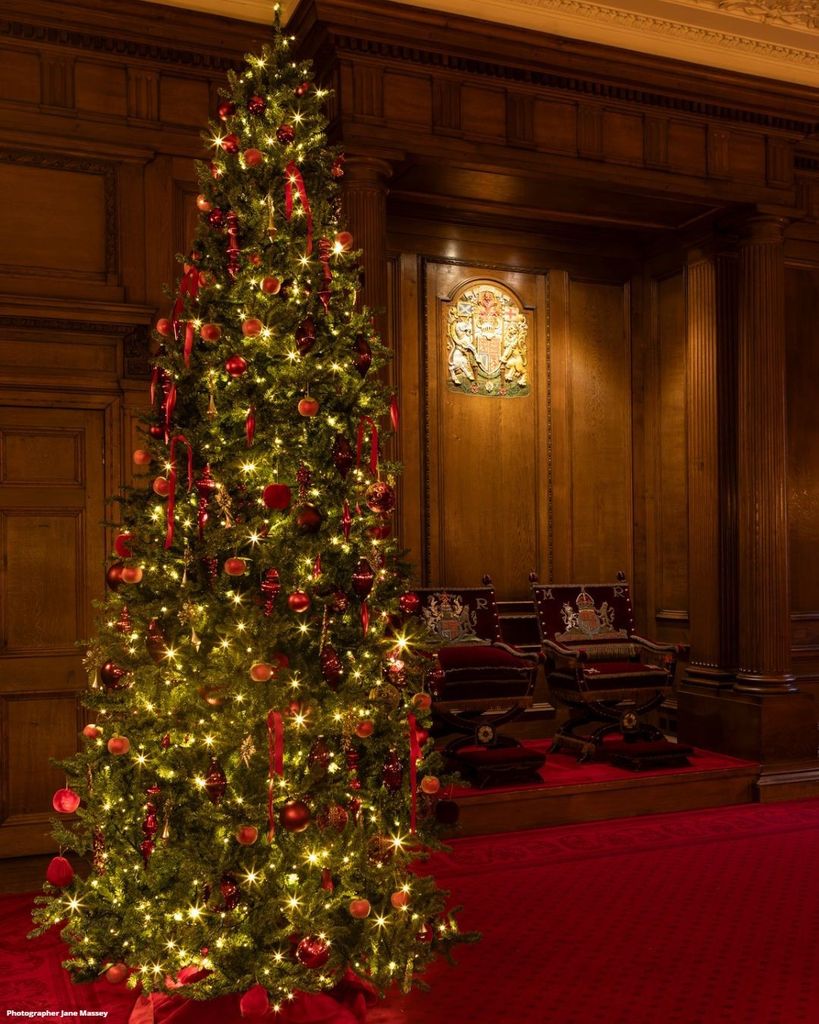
x=802 y=14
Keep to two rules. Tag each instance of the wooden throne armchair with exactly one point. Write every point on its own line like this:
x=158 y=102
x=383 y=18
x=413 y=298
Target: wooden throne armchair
x=481 y=684
x=607 y=675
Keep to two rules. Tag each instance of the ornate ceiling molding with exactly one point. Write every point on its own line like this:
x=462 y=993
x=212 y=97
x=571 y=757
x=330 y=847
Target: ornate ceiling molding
x=794 y=13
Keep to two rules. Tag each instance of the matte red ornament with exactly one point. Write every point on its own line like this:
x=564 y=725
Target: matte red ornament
x=285 y=133
x=306 y=335
x=59 y=872
x=141 y=457
x=210 y=332
x=342 y=455
x=132 y=574
x=231 y=895
x=65 y=801
x=256 y=105
x=409 y=603
x=112 y=675
x=226 y=109
x=331 y=666
x=118 y=745
x=359 y=909
x=161 y=486
x=363 y=355
x=277 y=496
x=309 y=519
x=246 y=835
x=308 y=406
x=91 y=731
x=295 y=816
x=113 y=575
x=230 y=143
x=252 y=157
x=312 y=952
x=235 y=566
x=122 y=545
x=363 y=578
x=392 y=773
x=302 y=90
x=270 y=590
x=380 y=497
x=271 y=285
x=215 y=782
x=299 y=601
x=216 y=217
x=255 y=1002
x=252 y=327
x=164 y=327
x=235 y=365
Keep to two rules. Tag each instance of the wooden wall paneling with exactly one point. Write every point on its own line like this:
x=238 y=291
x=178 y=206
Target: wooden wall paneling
x=642 y=451
x=802 y=369
x=562 y=567
x=600 y=426
x=487 y=474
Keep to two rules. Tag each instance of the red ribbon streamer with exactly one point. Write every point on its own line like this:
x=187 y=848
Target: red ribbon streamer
x=394 y=412
x=170 y=405
x=188 y=347
x=275 y=750
x=172 y=484
x=155 y=377
x=365 y=422
x=415 y=756
x=292 y=176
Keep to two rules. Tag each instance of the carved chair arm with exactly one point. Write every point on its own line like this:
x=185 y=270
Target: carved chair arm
x=659 y=646
x=573 y=653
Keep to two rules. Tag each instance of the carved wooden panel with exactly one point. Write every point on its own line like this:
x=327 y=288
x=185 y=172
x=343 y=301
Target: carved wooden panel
x=408 y=99
x=622 y=137
x=483 y=112
x=599 y=431
x=687 y=147
x=555 y=126
x=101 y=87
x=486 y=459
x=19 y=76
x=671 y=554
x=184 y=101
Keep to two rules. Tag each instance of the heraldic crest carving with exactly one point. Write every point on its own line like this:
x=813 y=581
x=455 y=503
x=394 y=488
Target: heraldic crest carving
x=446 y=616
x=486 y=333
x=585 y=622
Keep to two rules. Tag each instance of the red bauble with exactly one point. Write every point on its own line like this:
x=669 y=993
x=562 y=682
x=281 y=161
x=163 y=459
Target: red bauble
x=113 y=575
x=156 y=431
x=161 y=487
x=422 y=701
x=117 y=973
x=399 y=899
x=122 y=544
x=216 y=217
x=59 y=872
x=363 y=355
x=235 y=365
x=141 y=457
x=226 y=109
x=302 y=90
x=380 y=532
x=331 y=666
x=363 y=578
x=359 y=909
x=430 y=784
x=306 y=335
x=285 y=133
x=132 y=574
x=230 y=143
x=252 y=327
x=256 y=105
x=235 y=566
x=380 y=497
x=204 y=205
x=342 y=455
x=409 y=603
x=299 y=601
x=295 y=816
x=308 y=406
x=112 y=675
x=312 y=952
x=308 y=519
x=364 y=729
x=65 y=801
x=252 y=157
x=119 y=745
x=231 y=895
x=339 y=602
x=210 y=332
x=164 y=327
x=216 y=170
x=344 y=240
x=271 y=285
x=91 y=731
x=277 y=496
x=215 y=782
x=260 y=672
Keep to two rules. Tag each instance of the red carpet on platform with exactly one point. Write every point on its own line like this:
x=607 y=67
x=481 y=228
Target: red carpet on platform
x=704 y=917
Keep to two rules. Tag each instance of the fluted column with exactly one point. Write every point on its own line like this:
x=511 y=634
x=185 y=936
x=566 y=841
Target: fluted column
x=365 y=209
x=712 y=477
x=764 y=601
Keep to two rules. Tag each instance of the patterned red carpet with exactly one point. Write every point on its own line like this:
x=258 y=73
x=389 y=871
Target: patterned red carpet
x=705 y=917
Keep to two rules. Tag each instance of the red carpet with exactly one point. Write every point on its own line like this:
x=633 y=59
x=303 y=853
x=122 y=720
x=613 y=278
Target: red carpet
x=706 y=917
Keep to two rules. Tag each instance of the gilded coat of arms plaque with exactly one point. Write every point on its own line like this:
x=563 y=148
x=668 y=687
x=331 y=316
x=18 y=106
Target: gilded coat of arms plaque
x=486 y=333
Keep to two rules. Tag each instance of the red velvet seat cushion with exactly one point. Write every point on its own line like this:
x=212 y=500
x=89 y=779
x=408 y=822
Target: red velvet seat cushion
x=458 y=656
x=479 y=671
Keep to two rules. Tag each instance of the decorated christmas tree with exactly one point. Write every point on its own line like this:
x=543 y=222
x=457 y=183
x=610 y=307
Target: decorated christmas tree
x=257 y=785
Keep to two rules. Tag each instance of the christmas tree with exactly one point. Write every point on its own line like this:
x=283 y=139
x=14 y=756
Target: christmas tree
x=258 y=782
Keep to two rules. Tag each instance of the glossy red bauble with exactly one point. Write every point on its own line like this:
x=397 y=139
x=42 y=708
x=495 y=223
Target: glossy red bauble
x=298 y=601
x=430 y=784
x=226 y=109
x=256 y=105
x=132 y=574
x=113 y=575
x=247 y=835
x=59 y=872
x=117 y=973
x=156 y=431
x=260 y=672
x=409 y=603
x=359 y=909
x=216 y=217
x=141 y=457
x=364 y=729
x=399 y=899
x=112 y=676
x=204 y=205
x=164 y=327
x=312 y=952
x=308 y=406
x=285 y=133
x=252 y=157
x=230 y=143
x=302 y=90
x=295 y=816
x=118 y=745
x=308 y=519
x=252 y=327
x=65 y=801
x=235 y=566
x=210 y=332
x=235 y=365
x=277 y=496
x=271 y=285
x=380 y=497
x=91 y=731
x=422 y=701
x=161 y=487
x=122 y=544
